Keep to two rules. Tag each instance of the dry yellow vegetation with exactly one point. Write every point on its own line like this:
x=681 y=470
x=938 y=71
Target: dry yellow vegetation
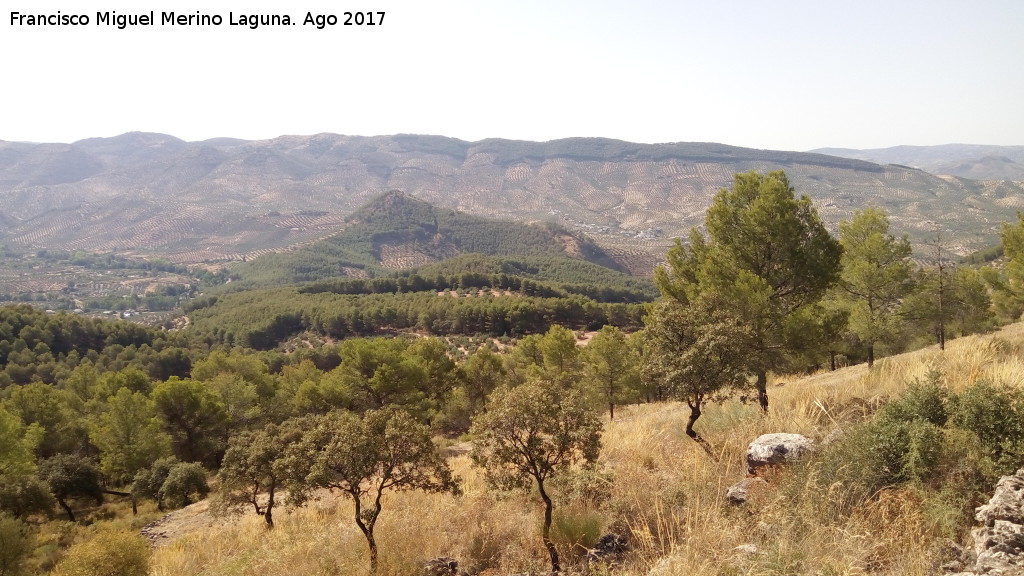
x=667 y=497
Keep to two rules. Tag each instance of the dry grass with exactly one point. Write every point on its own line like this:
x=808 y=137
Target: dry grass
x=667 y=496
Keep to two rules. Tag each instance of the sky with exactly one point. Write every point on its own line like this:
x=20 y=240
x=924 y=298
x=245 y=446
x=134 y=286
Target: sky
x=783 y=74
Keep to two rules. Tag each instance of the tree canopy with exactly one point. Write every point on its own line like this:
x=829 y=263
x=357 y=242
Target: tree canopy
x=364 y=457
x=533 y=432
x=766 y=255
x=876 y=275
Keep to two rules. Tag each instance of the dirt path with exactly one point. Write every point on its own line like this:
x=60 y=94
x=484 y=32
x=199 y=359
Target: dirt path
x=183 y=522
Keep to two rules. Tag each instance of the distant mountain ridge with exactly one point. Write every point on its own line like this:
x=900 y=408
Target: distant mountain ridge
x=225 y=199
x=977 y=162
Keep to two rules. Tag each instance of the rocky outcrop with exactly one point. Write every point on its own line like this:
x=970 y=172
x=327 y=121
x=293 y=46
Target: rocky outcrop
x=999 y=541
x=776 y=449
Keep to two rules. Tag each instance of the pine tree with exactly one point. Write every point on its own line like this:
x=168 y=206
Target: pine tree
x=765 y=256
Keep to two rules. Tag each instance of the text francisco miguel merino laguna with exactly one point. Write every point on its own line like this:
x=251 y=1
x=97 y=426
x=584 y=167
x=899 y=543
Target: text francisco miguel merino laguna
x=253 y=21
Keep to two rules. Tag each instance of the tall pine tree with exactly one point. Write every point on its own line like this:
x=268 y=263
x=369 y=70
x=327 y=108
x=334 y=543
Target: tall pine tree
x=765 y=256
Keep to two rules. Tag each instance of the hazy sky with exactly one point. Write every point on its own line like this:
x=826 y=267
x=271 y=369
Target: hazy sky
x=791 y=75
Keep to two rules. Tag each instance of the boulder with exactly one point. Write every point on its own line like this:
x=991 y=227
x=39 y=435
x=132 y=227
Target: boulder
x=1005 y=503
x=775 y=449
x=740 y=492
x=443 y=566
x=746 y=550
x=610 y=549
x=954 y=557
x=1000 y=548
x=667 y=566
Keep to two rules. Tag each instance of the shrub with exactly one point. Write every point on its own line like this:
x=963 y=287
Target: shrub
x=585 y=486
x=996 y=415
x=947 y=448
x=575 y=529
x=24 y=495
x=185 y=483
x=148 y=482
x=15 y=545
x=107 y=554
x=924 y=400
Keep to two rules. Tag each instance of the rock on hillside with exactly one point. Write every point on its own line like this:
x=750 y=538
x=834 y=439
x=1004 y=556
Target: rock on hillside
x=999 y=542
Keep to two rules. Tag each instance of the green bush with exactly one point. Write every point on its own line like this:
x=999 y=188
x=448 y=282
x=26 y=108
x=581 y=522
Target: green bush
x=148 y=482
x=995 y=414
x=948 y=447
x=15 y=545
x=185 y=483
x=24 y=495
x=923 y=400
x=107 y=554
x=575 y=529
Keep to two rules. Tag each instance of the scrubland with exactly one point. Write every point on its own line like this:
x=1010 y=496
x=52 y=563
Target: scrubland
x=662 y=491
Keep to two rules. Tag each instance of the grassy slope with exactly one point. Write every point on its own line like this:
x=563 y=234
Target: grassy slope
x=668 y=495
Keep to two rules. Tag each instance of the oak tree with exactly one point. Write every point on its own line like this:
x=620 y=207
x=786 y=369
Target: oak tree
x=253 y=466
x=71 y=476
x=364 y=457
x=697 y=352
x=532 y=432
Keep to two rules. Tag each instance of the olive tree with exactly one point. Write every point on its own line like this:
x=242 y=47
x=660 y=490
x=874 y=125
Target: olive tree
x=364 y=457
x=530 y=433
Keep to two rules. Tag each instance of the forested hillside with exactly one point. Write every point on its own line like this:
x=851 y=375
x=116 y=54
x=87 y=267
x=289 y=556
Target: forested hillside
x=396 y=231
x=500 y=396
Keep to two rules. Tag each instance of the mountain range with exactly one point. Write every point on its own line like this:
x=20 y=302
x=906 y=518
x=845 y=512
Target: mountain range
x=153 y=195
x=978 y=162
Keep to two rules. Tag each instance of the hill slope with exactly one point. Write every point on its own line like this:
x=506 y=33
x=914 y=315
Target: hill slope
x=397 y=232
x=662 y=486
x=151 y=194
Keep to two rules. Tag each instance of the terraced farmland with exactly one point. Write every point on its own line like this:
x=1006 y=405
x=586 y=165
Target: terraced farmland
x=153 y=195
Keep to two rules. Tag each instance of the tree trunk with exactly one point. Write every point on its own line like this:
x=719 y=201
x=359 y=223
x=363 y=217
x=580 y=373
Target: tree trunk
x=611 y=411
x=548 y=506
x=832 y=360
x=268 y=516
x=762 y=390
x=871 y=356
x=694 y=415
x=367 y=528
x=67 y=509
